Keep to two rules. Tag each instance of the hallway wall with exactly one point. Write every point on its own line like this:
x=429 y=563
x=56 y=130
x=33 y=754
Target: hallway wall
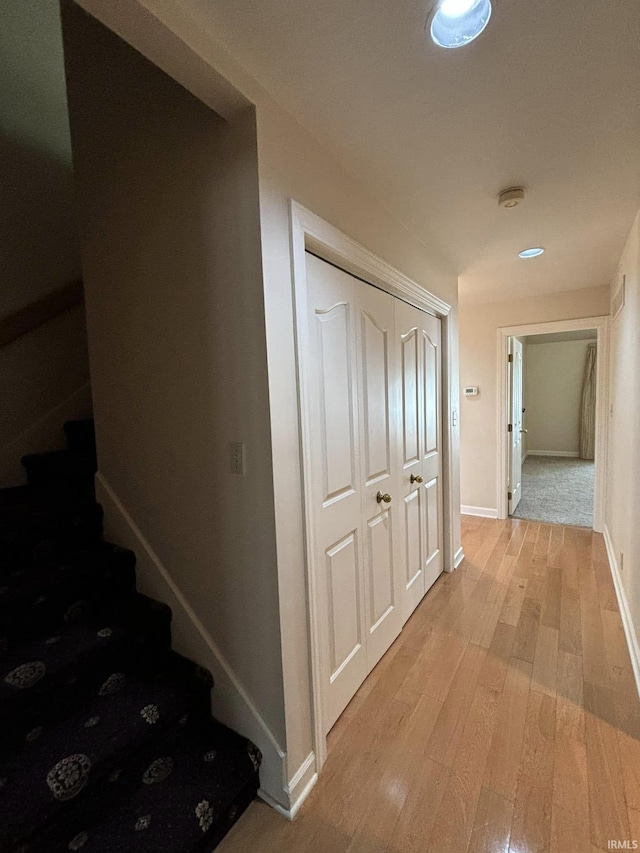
x=623 y=483
x=553 y=376
x=479 y=325
x=170 y=236
x=292 y=164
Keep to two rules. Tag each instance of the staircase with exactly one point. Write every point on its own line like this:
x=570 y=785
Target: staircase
x=106 y=737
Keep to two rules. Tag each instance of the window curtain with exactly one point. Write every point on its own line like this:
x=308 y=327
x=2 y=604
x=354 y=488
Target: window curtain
x=588 y=406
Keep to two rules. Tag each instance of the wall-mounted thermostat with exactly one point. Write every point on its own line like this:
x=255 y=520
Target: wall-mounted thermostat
x=471 y=391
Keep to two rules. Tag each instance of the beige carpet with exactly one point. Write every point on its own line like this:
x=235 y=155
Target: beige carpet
x=557 y=490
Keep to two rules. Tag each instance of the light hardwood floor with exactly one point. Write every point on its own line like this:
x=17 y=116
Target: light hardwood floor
x=504 y=719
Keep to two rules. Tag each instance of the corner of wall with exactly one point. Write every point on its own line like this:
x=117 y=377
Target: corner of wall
x=297 y=790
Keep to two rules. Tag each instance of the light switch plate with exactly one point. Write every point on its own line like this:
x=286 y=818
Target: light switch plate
x=236 y=458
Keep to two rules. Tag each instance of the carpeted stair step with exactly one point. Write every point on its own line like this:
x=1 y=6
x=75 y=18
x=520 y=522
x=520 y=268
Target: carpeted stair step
x=34 y=531
x=81 y=435
x=59 y=770
x=180 y=795
x=69 y=473
x=14 y=496
x=41 y=681
x=106 y=736
x=39 y=600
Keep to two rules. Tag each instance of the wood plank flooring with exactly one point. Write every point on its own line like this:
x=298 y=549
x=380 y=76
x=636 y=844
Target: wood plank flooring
x=504 y=719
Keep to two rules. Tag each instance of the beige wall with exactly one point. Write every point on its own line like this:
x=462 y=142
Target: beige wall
x=623 y=485
x=553 y=376
x=291 y=165
x=478 y=366
x=44 y=375
x=168 y=195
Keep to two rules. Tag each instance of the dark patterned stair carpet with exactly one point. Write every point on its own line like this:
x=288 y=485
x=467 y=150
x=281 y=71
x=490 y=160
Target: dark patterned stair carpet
x=41 y=531
x=106 y=738
x=38 y=599
x=76 y=662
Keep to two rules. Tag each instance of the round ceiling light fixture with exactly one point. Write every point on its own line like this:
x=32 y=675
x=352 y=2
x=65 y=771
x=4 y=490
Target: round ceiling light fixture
x=454 y=23
x=531 y=253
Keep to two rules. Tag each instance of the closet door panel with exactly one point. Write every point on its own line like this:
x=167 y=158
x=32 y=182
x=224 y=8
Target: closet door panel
x=374 y=342
x=336 y=482
x=381 y=594
x=408 y=342
x=433 y=533
x=413 y=538
x=336 y=403
x=431 y=447
x=378 y=440
x=431 y=383
x=343 y=587
x=373 y=388
x=410 y=384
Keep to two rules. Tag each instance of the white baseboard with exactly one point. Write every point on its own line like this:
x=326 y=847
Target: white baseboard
x=289 y=813
x=526 y=456
x=230 y=701
x=458 y=557
x=627 y=621
x=480 y=511
x=568 y=453
x=298 y=789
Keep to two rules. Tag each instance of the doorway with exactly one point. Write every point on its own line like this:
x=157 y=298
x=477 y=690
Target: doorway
x=316 y=244
x=374 y=375
x=554 y=466
x=549 y=419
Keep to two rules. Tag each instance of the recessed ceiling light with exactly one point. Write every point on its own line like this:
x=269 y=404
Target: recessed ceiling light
x=454 y=23
x=531 y=253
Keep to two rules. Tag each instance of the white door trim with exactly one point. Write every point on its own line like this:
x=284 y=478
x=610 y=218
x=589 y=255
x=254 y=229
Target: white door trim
x=310 y=232
x=601 y=324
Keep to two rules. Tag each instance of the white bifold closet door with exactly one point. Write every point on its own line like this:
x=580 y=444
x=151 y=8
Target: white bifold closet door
x=418 y=336
x=374 y=558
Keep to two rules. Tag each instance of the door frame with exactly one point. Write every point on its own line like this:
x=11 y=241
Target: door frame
x=309 y=232
x=601 y=325
x=511 y=372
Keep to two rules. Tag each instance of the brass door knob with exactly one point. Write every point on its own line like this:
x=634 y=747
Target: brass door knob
x=524 y=430
x=416 y=478
x=380 y=498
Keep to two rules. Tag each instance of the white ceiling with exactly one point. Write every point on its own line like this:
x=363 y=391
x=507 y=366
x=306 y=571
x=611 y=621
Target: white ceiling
x=548 y=96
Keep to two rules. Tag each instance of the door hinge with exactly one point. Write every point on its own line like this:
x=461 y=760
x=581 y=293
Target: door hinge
x=509 y=496
x=510 y=428
x=510 y=359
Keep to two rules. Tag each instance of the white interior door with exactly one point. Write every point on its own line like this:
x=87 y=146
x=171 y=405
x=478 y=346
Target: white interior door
x=374 y=378
x=378 y=467
x=431 y=446
x=420 y=465
x=408 y=337
x=515 y=423
x=337 y=501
